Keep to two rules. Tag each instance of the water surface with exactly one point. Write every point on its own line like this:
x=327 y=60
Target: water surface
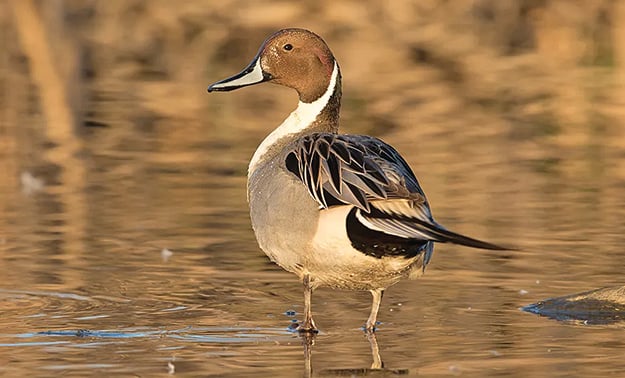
x=126 y=249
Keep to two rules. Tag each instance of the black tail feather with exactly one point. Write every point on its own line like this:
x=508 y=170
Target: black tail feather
x=441 y=235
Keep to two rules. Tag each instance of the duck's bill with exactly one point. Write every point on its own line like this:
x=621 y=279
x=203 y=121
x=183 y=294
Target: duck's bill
x=252 y=74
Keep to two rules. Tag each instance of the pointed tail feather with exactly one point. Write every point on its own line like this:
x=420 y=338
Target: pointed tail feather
x=442 y=235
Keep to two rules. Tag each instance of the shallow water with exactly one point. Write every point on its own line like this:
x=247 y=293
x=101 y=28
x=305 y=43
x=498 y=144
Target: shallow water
x=126 y=249
x=89 y=289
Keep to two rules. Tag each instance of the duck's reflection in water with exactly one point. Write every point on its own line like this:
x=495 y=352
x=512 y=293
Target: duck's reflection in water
x=377 y=366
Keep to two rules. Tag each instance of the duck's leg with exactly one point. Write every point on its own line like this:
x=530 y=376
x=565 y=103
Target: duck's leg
x=375 y=352
x=308 y=339
x=309 y=324
x=375 y=306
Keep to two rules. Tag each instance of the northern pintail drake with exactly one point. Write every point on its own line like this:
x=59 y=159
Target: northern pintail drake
x=338 y=210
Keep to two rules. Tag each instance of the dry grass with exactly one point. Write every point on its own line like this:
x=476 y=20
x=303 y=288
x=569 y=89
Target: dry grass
x=540 y=67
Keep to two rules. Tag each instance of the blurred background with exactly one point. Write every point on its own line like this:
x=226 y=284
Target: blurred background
x=123 y=182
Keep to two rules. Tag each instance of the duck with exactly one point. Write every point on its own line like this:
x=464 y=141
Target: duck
x=338 y=210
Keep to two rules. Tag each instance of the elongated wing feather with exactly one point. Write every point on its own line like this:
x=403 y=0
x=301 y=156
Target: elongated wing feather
x=351 y=169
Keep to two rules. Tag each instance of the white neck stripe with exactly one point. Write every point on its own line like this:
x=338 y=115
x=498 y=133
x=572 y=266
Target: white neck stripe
x=301 y=118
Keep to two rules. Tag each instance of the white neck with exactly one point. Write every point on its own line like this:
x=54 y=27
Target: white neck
x=301 y=118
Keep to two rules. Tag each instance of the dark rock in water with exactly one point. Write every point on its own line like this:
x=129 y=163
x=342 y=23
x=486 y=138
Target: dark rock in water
x=600 y=306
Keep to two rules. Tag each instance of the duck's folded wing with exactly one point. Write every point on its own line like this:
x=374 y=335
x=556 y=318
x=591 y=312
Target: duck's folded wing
x=369 y=174
x=351 y=169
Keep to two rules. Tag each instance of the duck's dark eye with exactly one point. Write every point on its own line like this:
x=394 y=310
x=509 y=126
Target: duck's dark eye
x=288 y=47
